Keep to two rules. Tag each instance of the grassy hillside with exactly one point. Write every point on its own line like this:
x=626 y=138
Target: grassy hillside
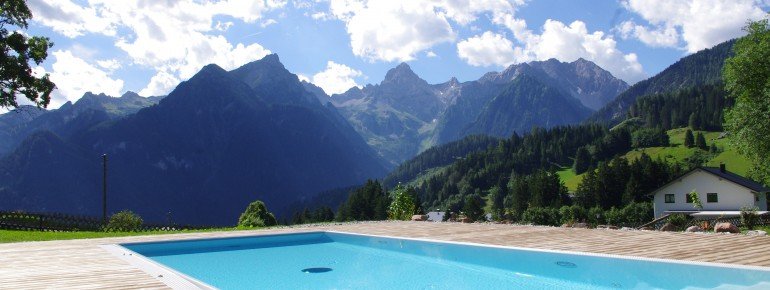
x=678 y=153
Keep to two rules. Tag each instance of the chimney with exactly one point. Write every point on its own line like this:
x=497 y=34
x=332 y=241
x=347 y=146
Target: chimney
x=722 y=168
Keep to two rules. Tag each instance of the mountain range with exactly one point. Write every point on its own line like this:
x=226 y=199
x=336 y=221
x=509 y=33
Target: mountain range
x=90 y=109
x=225 y=138
x=217 y=142
x=404 y=115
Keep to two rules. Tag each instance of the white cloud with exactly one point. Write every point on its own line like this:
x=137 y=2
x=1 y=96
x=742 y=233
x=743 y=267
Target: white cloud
x=391 y=30
x=74 y=77
x=336 y=78
x=698 y=23
x=175 y=38
x=662 y=37
x=223 y=26
x=487 y=49
x=397 y=30
x=302 y=77
x=109 y=64
x=321 y=16
x=467 y=11
x=160 y=84
x=70 y=19
x=431 y=54
x=568 y=43
x=267 y=23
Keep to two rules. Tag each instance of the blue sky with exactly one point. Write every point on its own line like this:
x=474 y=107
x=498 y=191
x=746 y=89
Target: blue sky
x=148 y=47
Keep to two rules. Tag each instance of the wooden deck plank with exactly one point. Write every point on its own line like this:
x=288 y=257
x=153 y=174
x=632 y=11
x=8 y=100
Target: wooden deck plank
x=82 y=264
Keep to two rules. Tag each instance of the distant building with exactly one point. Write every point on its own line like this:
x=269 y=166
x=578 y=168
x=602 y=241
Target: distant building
x=721 y=193
x=436 y=216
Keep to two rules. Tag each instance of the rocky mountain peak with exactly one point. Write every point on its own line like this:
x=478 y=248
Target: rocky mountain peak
x=402 y=74
x=130 y=95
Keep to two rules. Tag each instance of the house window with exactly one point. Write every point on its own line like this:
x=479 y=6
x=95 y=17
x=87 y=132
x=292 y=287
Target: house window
x=687 y=198
x=712 y=197
x=669 y=198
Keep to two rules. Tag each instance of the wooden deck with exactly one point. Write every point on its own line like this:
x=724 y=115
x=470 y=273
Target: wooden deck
x=82 y=264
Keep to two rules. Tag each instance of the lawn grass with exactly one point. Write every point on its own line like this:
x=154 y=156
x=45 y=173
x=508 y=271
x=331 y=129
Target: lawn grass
x=676 y=152
x=12 y=236
x=570 y=179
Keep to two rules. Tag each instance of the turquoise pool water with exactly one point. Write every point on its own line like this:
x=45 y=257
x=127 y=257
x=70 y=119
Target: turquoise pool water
x=326 y=260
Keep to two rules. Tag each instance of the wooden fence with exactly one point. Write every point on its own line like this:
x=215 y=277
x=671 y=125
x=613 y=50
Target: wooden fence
x=66 y=222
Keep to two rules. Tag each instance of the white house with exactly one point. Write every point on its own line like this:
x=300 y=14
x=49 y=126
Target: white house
x=721 y=193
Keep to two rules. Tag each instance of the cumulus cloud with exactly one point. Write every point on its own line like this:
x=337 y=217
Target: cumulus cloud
x=70 y=19
x=397 y=30
x=698 y=23
x=487 y=49
x=568 y=43
x=662 y=37
x=176 y=38
x=109 y=64
x=391 y=30
x=336 y=78
x=160 y=84
x=74 y=77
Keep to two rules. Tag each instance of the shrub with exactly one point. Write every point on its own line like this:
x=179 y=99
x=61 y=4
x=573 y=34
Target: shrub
x=541 y=216
x=695 y=198
x=124 y=221
x=649 y=137
x=678 y=220
x=638 y=213
x=614 y=216
x=749 y=217
x=404 y=204
x=596 y=216
x=572 y=214
x=256 y=215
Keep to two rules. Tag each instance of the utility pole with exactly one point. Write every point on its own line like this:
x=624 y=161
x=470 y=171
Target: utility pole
x=104 y=189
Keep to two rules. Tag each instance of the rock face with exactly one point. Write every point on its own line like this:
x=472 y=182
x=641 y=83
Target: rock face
x=759 y=233
x=419 y=218
x=580 y=226
x=394 y=115
x=726 y=228
x=694 y=229
x=584 y=80
x=537 y=104
x=668 y=227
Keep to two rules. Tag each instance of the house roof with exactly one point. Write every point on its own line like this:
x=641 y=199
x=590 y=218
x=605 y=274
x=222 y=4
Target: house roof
x=726 y=175
x=740 y=180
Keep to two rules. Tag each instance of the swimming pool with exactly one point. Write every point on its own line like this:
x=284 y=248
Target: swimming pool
x=333 y=260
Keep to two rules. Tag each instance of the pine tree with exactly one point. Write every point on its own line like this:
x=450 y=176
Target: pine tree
x=689 y=139
x=700 y=141
x=694 y=122
x=473 y=208
x=582 y=160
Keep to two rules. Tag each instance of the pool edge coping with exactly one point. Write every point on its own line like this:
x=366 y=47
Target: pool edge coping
x=165 y=274
x=590 y=254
